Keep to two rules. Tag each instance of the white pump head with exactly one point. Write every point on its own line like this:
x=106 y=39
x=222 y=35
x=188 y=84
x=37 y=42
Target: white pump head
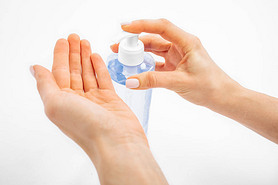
x=131 y=49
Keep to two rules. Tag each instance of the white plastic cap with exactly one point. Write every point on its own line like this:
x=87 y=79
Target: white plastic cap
x=131 y=49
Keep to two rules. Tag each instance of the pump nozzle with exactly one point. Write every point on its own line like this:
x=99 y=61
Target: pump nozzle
x=131 y=49
x=132 y=41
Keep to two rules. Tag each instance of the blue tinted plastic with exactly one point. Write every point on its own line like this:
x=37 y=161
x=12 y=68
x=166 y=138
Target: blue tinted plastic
x=138 y=100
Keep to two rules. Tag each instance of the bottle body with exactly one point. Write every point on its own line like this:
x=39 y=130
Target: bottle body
x=138 y=100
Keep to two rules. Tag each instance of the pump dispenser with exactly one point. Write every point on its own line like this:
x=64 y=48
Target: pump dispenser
x=131 y=60
x=131 y=49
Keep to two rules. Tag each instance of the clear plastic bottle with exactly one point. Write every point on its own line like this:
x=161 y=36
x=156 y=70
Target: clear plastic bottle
x=132 y=60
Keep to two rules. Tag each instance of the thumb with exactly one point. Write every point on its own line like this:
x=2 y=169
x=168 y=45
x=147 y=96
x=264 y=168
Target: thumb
x=151 y=79
x=46 y=83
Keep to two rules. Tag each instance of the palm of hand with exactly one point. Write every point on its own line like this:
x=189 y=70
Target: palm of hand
x=79 y=96
x=105 y=98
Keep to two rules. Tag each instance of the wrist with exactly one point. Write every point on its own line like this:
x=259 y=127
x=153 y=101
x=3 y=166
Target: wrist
x=123 y=156
x=224 y=95
x=129 y=163
x=106 y=146
x=109 y=143
x=99 y=139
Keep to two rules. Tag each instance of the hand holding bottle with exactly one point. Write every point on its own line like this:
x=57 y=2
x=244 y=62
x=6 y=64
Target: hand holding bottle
x=189 y=71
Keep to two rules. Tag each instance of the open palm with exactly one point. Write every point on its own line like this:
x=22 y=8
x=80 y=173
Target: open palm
x=79 y=97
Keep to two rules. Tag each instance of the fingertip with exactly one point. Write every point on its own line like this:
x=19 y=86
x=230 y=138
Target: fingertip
x=124 y=27
x=114 y=47
x=39 y=72
x=96 y=56
x=32 y=71
x=73 y=36
x=130 y=27
x=126 y=23
x=37 y=69
x=62 y=45
x=85 y=43
x=85 y=47
x=132 y=83
x=62 y=41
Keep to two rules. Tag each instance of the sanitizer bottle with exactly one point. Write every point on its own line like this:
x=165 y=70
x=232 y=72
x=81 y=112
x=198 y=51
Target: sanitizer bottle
x=131 y=60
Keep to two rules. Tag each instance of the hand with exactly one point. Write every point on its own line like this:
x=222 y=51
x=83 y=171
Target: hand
x=79 y=98
x=188 y=69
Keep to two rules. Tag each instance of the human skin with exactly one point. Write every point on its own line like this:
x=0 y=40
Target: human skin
x=79 y=98
x=190 y=72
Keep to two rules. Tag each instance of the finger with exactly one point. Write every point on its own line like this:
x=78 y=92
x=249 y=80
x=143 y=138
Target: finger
x=76 y=82
x=159 y=66
x=160 y=53
x=88 y=73
x=152 y=79
x=46 y=83
x=103 y=76
x=155 y=43
x=151 y=43
x=60 y=67
x=164 y=28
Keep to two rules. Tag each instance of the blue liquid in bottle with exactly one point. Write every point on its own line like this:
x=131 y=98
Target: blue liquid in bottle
x=138 y=100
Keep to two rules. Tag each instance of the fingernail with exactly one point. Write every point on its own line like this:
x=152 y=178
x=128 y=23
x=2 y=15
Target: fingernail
x=132 y=83
x=125 y=23
x=32 y=71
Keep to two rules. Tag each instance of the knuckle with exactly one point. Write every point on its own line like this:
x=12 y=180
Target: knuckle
x=51 y=106
x=50 y=109
x=151 y=42
x=151 y=80
x=87 y=74
x=196 y=40
x=164 y=21
x=75 y=71
x=195 y=44
x=165 y=24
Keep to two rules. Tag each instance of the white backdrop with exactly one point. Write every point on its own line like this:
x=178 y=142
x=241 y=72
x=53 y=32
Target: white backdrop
x=193 y=145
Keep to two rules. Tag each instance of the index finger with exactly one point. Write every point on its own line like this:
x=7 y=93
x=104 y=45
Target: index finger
x=163 y=27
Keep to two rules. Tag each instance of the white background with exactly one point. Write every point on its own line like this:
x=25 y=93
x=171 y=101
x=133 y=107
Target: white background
x=193 y=145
